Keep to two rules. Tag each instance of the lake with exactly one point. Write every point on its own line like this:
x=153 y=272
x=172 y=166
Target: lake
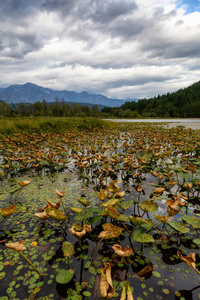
x=188 y=123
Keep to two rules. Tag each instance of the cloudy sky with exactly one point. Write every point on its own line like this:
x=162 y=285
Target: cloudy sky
x=119 y=48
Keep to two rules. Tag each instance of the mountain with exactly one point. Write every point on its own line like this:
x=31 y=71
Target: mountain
x=30 y=93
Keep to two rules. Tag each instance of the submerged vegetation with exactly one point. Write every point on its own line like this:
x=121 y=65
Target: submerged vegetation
x=99 y=211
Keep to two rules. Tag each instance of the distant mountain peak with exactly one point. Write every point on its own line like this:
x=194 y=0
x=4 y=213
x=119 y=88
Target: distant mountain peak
x=30 y=93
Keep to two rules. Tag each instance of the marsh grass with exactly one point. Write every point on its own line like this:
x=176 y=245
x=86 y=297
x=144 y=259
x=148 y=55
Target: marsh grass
x=9 y=126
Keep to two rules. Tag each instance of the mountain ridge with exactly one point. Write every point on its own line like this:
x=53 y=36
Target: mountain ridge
x=31 y=93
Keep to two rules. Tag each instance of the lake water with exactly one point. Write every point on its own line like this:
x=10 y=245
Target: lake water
x=168 y=123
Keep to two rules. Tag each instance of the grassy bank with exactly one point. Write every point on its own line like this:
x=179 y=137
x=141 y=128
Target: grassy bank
x=9 y=126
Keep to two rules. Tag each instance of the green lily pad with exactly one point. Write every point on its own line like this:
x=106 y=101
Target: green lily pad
x=65 y=276
x=192 y=220
x=148 y=224
x=150 y=206
x=125 y=204
x=111 y=202
x=68 y=249
x=179 y=226
x=76 y=209
x=123 y=218
x=83 y=215
x=84 y=201
x=95 y=219
x=197 y=242
x=140 y=235
x=137 y=221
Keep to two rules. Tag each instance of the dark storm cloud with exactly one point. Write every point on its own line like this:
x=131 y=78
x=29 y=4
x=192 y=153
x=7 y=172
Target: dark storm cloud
x=16 y=9
x=63 y=7
x=112 y=44
x=97 y=11
x=169 y=49
x=104 y=12
x=138 y=80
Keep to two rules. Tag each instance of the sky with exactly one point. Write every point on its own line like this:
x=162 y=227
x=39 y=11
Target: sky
x=118 y=48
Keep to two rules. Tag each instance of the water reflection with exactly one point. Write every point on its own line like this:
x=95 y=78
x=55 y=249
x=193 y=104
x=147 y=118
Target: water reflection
x=186 y=294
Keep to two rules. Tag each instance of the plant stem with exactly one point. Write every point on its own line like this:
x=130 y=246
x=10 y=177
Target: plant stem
x=49 y=223
x=2 y=220
x=18 y=193
x=63 y=206
x=95 y=249
x=31 y=264
x=62 y=227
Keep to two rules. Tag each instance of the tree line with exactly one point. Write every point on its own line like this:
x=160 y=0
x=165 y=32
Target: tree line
x=185 y=103
x=56 y=109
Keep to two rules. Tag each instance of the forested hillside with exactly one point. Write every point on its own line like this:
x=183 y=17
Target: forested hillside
x=184 y=103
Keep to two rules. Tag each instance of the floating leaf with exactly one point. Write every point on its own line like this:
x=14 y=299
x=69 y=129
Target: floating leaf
x=42 y=215
x=113 y=188
x=148 y=224
x=125 y=204
x=80 y=233
x=110 y=231
x=119 y=194
x=33 y=244
x=156 y=274
x=178 y=226
x=111 y=202
x=146 y=270
x=106 y=287
x=95 y=219
x=192 y=220
x=24 y=183
x=59 y=194
x=126 y=292
x=190 y=259
x=84 y=201
x=159 y=190
x=102 y=195
x=83 y=215
x=68 y=249
x=76 y=209
x=56 y=214
x=197 y=242
x=123 y=218
x=149 y=206
x=137 y=221
x=65 y=276
x=140 y=235
x=112 y=212
x=18 y=246
x=7 y=211
x=126 y=252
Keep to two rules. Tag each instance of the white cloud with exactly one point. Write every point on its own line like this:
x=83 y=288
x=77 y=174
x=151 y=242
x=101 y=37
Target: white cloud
x=117 y=48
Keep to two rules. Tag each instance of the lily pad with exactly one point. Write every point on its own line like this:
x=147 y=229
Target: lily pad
x=149 y=206
x=68 y=249
x=65 y=276
x=56 y=214
x=179 y=226
x=83 y=215
x=140 y=235
x=192 y=220
x=125 y=204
